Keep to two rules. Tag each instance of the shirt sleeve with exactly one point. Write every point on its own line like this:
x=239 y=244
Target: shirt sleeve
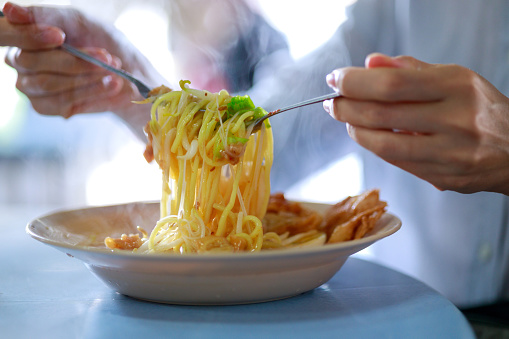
x=308 y=139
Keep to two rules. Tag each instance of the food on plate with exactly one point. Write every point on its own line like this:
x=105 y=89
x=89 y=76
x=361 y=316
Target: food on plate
x=349 y=219
x=215 y=172
x=353 y=217
x=125 y=242
x=216 y=187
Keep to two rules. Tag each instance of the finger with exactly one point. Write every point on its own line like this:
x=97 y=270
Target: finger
x=100 y=104
x=415 y=117
x=44 y=84
x=65 y=19
x=431 y=173
x=59 y=62
x=31 y=36
x=61 y=19
x=440 y=176
x=397 y=146
x=18 y=14
x=21 y=30
x=375 y=60
x=387 y=84
x=64 y=103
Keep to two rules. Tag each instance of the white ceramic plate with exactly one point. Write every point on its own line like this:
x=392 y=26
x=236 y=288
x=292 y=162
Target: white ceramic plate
x=196 y=278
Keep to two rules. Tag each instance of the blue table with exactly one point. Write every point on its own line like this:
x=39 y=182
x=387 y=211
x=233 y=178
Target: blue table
x=45 y=294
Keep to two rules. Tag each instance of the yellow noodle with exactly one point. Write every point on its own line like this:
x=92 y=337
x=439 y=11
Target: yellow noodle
x=216 y=176
x=210 y=198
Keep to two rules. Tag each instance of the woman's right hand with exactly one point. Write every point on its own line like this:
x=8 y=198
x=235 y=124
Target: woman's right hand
x=58 y=83
x=443 y=123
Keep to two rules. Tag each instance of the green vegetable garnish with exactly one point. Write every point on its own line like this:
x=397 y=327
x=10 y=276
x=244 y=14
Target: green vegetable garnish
x=259 y=112
x=239 y=104
x=232 y=139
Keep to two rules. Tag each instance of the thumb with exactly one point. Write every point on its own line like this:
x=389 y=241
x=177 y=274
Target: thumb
x=18 y=15
x=381 y=60
x=21 y=30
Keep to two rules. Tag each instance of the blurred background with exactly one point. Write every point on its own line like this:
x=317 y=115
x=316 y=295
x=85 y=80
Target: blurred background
x=95 y=159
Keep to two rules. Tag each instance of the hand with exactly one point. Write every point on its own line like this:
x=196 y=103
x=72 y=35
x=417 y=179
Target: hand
x=443 y=123
x=56 y=82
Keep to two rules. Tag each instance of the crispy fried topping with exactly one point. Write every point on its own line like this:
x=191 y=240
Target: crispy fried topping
x=349 y=219
x=125 y=242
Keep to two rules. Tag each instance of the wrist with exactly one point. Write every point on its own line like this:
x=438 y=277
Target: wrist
x=137 y=115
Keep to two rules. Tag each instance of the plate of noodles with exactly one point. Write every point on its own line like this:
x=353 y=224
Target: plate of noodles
x=194 y=279
x=218 y=235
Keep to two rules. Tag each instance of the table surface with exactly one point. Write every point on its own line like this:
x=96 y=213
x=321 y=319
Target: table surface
x=45 y=294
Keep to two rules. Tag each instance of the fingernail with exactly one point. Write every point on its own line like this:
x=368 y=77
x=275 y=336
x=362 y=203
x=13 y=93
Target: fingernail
x=111 y=83
x=107 y=81
x=10 y=7
x=17 y=14
x=99 y=54
x=331 y=80
x=51 y=35
x=116 y=62
x=349 y=130
x=327 y=106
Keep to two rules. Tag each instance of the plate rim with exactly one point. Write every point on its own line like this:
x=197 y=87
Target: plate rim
x=290 y=252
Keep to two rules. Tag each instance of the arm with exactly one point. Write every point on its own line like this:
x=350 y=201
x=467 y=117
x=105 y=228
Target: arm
x=442 y=123
x=307 y=140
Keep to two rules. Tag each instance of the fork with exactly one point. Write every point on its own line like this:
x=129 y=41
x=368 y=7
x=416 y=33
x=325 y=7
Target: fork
x=142 y=88
x=258 y=122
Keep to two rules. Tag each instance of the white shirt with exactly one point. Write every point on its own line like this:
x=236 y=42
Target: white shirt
x=456 y=243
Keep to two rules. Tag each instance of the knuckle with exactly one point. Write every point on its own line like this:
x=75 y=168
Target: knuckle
x=20 y=84
x=384 y=149
x=396 y=149
x=461 y=184
x=345 y=81
x=23 y=60
x=342 y=110
x=46 y=106
x=407 y=58
x=375 y=116
x=463 y=79
x=40 y=82
x=34 y=84
x=460 y=172
x=391 y=85
x=461 y=162
x=10 y=56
